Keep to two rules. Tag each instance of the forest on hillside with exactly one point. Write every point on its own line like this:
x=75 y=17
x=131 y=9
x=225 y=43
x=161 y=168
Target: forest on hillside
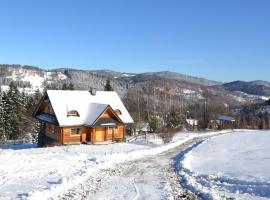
x=164 y=112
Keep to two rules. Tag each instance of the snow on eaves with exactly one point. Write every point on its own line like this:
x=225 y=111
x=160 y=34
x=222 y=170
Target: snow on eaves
x=88 y=106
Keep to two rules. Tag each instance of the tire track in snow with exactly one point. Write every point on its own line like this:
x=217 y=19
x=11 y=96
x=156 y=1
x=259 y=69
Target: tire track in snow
x=137 y=191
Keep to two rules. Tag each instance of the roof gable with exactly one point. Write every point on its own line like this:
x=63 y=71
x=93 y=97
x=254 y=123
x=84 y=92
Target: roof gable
x=111 y=98
x=102 y=121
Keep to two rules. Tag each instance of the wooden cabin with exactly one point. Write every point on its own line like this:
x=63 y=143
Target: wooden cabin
x=226 y=122
x=222 y=122
x=75 y=117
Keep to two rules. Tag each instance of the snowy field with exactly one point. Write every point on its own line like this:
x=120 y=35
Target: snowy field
x=46 y=173
x=233 y=165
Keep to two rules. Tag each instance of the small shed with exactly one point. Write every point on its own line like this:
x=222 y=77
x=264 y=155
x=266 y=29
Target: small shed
x=226 y=121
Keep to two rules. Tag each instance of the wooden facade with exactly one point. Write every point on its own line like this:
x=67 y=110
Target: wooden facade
x=81 y=134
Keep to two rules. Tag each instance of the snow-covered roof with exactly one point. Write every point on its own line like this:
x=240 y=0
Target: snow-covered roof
x=226 y=118
x=89 y=107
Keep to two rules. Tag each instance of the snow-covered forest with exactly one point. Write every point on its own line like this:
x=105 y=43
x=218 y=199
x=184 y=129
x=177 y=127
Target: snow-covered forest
x=164 y=100
x=16 y=121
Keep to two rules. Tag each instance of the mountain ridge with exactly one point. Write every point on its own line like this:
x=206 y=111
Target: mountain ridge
x=31 y=78
x=257 y=87
x=166 y=74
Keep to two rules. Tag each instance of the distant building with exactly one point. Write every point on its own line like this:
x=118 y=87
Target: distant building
x=142 y=127
x=226 y=118
x=222 y=122
x=192 y=124
x=214 y=124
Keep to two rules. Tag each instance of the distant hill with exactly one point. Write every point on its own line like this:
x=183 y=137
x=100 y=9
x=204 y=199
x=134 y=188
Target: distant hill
x=179 y=89
x=257 y=109
x=261 y=88
x=171 y=76
x=133 y=77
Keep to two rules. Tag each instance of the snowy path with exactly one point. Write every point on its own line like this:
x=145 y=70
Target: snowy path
x=149 y=176
x=152 y=177
x=142 y=179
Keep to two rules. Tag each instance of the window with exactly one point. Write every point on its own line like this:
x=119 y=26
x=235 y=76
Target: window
x=118 y=112
x=75 y=131
x=73 y=113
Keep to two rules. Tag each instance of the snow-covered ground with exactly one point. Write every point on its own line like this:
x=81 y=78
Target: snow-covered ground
x=34 y=78
x=244 y=97
x=44 y=173
x=233 y=165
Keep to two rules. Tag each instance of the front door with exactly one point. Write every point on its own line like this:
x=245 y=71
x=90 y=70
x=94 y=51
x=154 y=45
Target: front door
x=100 y=132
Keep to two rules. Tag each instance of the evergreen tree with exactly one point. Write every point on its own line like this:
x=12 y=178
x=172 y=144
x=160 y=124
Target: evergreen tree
x=16 y=121
x=26 y=124
x=32 y=126
x=36 y=98
x=13 y=108
x=154 y=123
x=174 y=120
x=68 y=86
x=108 y=86
x=2 y=122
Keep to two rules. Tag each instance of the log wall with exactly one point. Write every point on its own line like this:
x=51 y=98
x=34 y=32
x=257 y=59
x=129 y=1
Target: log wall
x=68 y=138
x=93 y=134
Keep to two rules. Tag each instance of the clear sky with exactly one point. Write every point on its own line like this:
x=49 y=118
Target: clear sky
x=217 y=39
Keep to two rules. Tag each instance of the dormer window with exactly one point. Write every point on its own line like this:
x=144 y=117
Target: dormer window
x=73 y=113
x=118 y=112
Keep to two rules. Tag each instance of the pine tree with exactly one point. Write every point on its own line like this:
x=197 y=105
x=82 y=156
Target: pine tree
x=68 y=86
x=13 y=108
x=108 y=86
x=36 y=98
x=26 y=125
x=154 y=123
x=2 y=122
x=31 y=126
x=174 y=120
x=36 y=124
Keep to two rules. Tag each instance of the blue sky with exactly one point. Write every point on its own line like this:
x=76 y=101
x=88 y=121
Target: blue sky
x=217 y=39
